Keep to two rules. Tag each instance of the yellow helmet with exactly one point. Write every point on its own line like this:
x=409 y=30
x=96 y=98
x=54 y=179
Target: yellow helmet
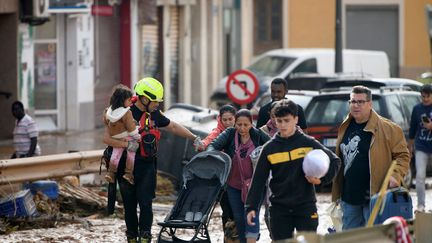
x=150 y=88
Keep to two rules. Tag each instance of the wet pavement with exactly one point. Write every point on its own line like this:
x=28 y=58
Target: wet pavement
x=61 y=142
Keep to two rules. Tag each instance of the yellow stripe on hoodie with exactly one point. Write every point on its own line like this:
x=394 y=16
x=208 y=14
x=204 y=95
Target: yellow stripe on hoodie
x=283 y=157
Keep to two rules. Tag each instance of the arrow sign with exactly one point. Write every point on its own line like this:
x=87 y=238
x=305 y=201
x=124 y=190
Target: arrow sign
x=242 y=87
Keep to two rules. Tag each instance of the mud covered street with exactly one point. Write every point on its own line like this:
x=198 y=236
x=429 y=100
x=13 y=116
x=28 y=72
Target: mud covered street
x=111 y=229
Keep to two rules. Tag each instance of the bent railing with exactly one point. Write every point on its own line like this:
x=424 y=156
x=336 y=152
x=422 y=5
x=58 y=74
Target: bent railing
x=49 y=166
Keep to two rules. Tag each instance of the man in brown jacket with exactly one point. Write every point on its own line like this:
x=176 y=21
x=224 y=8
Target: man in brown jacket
x=367 y=144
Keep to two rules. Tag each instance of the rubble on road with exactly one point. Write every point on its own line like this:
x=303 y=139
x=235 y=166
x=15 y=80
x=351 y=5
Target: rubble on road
x=77 y=204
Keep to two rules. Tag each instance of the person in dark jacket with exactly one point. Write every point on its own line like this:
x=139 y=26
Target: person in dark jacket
x=278 y=89
x=293 y=202
x=420 y=137
x=238 y=143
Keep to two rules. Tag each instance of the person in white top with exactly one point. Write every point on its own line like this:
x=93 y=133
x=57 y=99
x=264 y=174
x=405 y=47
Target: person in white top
x=25 y=133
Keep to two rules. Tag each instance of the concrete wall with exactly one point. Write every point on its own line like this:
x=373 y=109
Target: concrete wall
x=311 y=23
x=417 y=41
x=196 y=50
x=107 y=61
x=8 y=6
x=8 y=69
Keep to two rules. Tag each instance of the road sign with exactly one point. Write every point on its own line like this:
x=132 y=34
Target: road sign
x=242 y=87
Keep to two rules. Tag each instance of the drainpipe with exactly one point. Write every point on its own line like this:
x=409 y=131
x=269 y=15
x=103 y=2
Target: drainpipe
x=338 y=44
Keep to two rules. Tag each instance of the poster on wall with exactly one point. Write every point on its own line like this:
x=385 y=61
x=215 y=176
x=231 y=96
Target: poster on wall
x=46 y=65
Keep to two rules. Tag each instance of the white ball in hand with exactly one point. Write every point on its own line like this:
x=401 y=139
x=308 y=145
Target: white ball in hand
x=316 y=163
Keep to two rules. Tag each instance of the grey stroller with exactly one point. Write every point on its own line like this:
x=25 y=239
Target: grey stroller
x=204 y=181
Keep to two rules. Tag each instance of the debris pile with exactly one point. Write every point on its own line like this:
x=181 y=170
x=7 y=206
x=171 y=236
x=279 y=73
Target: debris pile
x=77 y=204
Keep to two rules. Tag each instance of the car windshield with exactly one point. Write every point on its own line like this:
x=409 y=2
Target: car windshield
x=301 y=100
x=330 y=110
x=270 y=65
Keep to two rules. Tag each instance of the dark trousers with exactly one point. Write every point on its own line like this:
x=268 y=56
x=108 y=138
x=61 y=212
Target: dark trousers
x=283 y=221
x=142 y=194
x=226 y=209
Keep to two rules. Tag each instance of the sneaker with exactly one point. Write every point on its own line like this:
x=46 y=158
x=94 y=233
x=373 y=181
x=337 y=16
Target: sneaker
x=189 y=216
x=129 y=178
x=131 y=240
x=110 y=177
x=420 y=208
x=197 y=217
x=145 y=237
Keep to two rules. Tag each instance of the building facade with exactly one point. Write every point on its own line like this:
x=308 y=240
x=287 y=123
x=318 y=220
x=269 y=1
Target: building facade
x=64 y=70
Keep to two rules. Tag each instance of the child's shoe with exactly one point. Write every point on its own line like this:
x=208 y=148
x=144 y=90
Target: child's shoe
x=110 y=177
x=189 y=216
x=129 y=177
x=197 y=217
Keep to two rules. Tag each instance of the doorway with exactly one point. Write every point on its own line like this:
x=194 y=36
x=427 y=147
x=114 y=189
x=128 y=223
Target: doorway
x=374 y=28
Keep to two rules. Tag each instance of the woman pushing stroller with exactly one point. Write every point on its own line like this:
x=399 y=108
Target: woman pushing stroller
x=238 y=143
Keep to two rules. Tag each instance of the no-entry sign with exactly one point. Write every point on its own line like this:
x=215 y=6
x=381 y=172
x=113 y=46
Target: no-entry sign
x=242 y=87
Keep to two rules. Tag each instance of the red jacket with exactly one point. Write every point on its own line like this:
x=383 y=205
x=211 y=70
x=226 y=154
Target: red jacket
x=214 y=133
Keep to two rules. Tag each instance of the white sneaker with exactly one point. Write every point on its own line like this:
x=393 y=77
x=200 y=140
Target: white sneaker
x=420 y=208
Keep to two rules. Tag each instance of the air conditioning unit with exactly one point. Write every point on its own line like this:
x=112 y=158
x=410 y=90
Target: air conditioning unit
x=34 y=12
x=40 y=8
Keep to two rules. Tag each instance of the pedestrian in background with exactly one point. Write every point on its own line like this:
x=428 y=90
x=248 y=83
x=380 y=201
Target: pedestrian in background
x=420 y=141
x=279 y=89
x=367 y=144
x=225 y=120
x=270 y=127
x=293 y=201
x=25 y=133
x=238 y=143
x=145 y=110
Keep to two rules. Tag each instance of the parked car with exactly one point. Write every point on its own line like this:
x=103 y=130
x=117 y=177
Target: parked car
x=175 y=151
x=316 y=81
x=327 y=110
x=300 y=97
x=284 y=63
x=372 y=83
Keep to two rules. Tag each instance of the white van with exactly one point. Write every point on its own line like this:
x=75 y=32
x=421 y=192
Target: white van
x=286 y=62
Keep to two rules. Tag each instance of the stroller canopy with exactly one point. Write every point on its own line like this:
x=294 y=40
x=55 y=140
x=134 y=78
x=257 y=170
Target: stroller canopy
x=208 y=165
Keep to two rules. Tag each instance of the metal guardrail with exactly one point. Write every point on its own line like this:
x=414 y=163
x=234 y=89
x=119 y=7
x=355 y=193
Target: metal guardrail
x=49 y=166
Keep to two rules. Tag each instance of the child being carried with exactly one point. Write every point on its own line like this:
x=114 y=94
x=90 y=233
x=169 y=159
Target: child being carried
x=121 y=125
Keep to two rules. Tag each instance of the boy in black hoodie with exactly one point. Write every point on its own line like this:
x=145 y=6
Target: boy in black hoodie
x=293 y=202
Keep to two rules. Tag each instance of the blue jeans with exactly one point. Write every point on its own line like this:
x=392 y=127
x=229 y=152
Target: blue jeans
x=354 y=216
x=244 y=230
x=422 y=159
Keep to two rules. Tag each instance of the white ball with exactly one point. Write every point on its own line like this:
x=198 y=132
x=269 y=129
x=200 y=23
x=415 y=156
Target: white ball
x=316 y=163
